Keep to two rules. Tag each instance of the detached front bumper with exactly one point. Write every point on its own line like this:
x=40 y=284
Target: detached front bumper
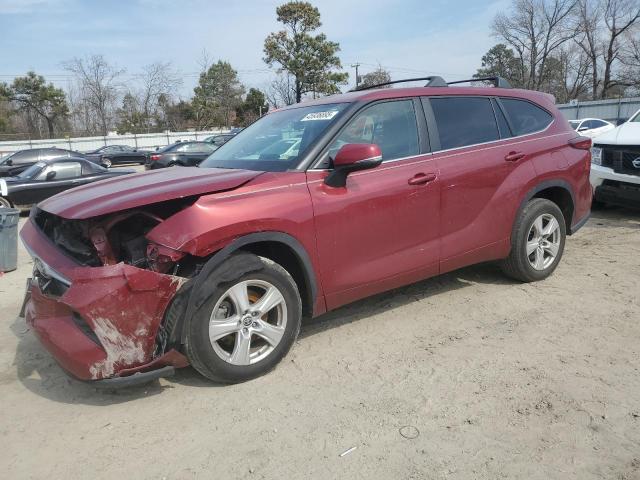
x=98 y=322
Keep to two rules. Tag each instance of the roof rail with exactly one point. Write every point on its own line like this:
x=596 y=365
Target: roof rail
x=436 y=81
x=431 y=82
x=498 y=82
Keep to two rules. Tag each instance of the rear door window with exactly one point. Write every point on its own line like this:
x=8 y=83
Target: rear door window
x=526 y=117
x=464 y=121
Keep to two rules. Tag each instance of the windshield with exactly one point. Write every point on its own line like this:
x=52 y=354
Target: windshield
x=276 y=141
x=32 y=171
x=574 y=124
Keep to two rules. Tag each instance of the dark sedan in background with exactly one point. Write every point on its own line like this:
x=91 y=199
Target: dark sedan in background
x=117 y=155
x=16 y=162
x=183 y=154
x=48 y=177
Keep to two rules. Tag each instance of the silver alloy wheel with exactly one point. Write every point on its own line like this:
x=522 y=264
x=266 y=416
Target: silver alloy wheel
x=543 y=241
x=106 y=163
x=5 y=202
x=248 y=322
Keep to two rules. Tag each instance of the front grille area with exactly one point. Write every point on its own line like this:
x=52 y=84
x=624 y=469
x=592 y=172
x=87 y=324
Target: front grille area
x=621 y=158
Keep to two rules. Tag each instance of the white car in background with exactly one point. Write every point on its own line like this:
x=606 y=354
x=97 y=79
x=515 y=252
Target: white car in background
x=615 y=165
x=591 y=127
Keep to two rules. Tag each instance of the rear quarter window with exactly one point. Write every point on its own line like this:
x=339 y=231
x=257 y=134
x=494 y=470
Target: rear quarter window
x=526 y=117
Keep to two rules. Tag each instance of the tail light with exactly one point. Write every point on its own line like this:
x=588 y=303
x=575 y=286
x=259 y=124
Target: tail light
x=154 y=157
x=581 y=143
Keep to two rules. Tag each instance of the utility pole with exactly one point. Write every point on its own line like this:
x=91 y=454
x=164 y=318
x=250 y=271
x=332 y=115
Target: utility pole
x=356 y=65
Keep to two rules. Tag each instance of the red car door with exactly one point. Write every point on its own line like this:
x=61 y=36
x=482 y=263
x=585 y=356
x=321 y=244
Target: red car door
x=381 y=230
x=482 y=171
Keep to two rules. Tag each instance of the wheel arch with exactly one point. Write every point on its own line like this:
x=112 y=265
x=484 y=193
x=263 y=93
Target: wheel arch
x=559 y=192
x=279 y=247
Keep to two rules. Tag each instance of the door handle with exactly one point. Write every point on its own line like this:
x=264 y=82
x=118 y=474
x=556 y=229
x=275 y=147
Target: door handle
x=514 y=156
x=422 y=178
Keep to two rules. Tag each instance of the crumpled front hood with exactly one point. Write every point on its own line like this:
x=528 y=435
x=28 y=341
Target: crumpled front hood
x=130 y=191
x=626 y=134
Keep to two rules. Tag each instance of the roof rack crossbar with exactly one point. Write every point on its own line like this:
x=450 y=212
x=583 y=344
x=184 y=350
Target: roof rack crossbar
x=431 y=82
x=498 y=82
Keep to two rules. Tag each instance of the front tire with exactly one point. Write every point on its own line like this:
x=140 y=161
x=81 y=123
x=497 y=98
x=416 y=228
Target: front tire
x=537 y=242
x=106 y=163
x=5 y=202
x=247 y=324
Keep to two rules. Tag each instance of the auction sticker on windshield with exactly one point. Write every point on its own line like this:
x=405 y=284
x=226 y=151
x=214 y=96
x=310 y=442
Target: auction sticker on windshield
x=319 y=116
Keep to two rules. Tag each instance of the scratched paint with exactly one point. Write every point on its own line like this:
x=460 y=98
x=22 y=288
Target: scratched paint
x=120 y=349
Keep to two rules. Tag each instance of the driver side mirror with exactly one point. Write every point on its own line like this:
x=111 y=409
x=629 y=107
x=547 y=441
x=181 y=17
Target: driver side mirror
x=50 y=175
x=582 y=129
x=351 y=158
x=9 y=162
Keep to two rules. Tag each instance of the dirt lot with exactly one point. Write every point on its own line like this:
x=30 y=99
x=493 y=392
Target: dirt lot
x=501 y=380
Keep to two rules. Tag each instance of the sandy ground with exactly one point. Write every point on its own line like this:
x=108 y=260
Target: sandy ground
x=494 y=379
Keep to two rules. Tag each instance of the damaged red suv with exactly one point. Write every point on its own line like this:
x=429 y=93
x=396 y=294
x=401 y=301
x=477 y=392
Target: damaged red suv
x=312 y=207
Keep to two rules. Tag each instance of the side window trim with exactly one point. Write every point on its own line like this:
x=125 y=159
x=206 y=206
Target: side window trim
x=434 y=134
x=423 y=129
x=506 y=116
x=497 y=109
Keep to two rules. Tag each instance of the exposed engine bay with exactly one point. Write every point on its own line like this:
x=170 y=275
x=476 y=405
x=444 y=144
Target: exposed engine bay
x=119 y=237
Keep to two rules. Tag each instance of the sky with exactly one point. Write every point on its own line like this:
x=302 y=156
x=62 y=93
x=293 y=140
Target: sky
x=409 y=38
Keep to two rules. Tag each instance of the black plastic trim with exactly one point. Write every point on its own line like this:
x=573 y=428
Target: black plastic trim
x=434 y=135
x=543 y=186
x=580 y=223
x=133 y=380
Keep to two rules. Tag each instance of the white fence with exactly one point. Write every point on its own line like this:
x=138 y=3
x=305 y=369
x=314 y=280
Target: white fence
x=147 y=141
x=616 y=110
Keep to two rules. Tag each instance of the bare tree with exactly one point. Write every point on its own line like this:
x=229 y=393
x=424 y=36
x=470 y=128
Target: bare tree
x=619 y=17
x=631 y=61
x=535 y=29
x=573 y=75
x=158 y=81
x=589 y=20
x=606 y=30
x=98 y=84
x=281 y=92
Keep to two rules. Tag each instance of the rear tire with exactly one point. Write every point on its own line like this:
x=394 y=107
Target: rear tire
x=537 y=242
x=246 y=325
